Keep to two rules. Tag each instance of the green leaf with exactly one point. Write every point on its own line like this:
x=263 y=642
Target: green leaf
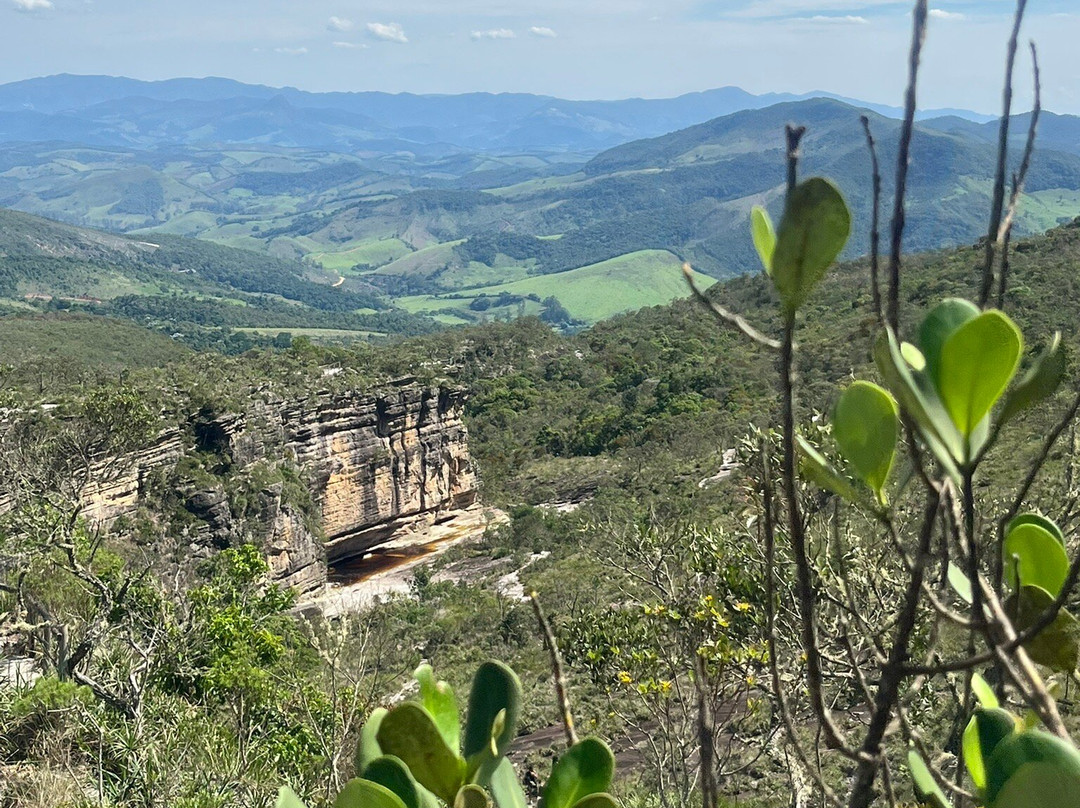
x=983 y=692
x=913 y=356
x=368 y=748
x=360 y=793
x=392 y=773
x=977 y=362
x=1032 y=769
x=495 y=690
x=1058 y=645
x=597 y=801
x=926 y=788
x=1033 y=518
x=1034 y=557
x=438 y=699
x=984 y=732
x=1040 y=381
x=409 y=732
x=287 y=798
x=815 y=468
x=761 y=228
x=919 y=399
x=505 y=788
x=939 y=324
x=472 y=796
x=586 y=768
x=959 y=581
x=814 y=230
x=866 y=426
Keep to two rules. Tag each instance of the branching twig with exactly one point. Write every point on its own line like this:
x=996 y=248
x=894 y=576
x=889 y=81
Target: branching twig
x=557 y=672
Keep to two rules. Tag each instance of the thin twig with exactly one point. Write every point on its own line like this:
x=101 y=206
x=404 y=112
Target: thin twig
x=1005 y=234
x=903 y=162
x=726 y=317
x=998 y=203
x=875 y=222
x=557 y=672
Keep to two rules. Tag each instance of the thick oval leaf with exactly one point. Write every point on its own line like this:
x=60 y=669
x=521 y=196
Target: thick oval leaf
x=960 y=582
x=984 y=694
x=866 y=425
x=495 y=689
x=984 y=732
x=977 y=363
x=1032 y=769
x=1032 y=518
x=913 y=356
x=939 y=324
x=814 y=230
x=392 y=773
x=366 y=794
x=597 y=801
x=1034 y=557
x=815 y=468
x=586 y=768
x=438 y=699
x=505 y=788
x=287 y=798
x=761 y=228
x=409 y=733
x=1040 y=381
x=926 y=788
x=919 y=399
x=368 y=748
x=472 y=796
x=1058 y=645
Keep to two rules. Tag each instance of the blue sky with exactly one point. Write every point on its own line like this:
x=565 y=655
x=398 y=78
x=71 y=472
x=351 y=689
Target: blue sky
x=569 y=48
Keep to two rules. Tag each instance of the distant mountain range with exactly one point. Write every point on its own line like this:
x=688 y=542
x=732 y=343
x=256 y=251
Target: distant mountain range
x=108 y=111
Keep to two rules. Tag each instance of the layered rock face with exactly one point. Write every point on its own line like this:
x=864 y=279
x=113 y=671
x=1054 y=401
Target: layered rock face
x=377 y=467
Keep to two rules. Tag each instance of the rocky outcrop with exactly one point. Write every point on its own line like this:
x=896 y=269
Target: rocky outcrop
x=375 y=466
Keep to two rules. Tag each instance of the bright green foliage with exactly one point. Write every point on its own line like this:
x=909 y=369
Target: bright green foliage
x=392 y=773
x=585 y=769
x=978 y=360
x=1031 y=769
x=761 y=228
x=405 y=761
x=287 y=799
x=368 y=748
x=987 y=728
x=438 y=699
x=926 y=788
x=866 y=425
x=366 y=794
x=494 y=707
x=819 y=471
x=1039 y=383
x=959 y=581
x=1036 y=519
x=409 y=732
x=814 y=230
x=471 y=796
x=983 y=692
x=1035 y=557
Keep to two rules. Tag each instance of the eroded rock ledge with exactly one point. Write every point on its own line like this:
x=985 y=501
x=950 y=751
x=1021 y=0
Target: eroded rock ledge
x=374 y=467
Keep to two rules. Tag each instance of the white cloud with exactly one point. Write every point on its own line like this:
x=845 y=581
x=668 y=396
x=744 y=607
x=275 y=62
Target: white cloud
x=350 y=45
x=494 y=33
x=32 y=5
x=823 y=19
x=291 y=51
x=941 y=14
x=390 y=32
x=542 y=31
x=339 y=24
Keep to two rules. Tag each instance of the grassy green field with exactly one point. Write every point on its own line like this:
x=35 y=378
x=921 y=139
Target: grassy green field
x=319 y=334
x=592 y=293
x=374 y=252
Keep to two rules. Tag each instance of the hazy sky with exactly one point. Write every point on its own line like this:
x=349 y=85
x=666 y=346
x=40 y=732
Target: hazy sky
x=568 y=48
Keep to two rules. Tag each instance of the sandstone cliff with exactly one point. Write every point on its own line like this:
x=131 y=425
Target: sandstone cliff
x=374 y=467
